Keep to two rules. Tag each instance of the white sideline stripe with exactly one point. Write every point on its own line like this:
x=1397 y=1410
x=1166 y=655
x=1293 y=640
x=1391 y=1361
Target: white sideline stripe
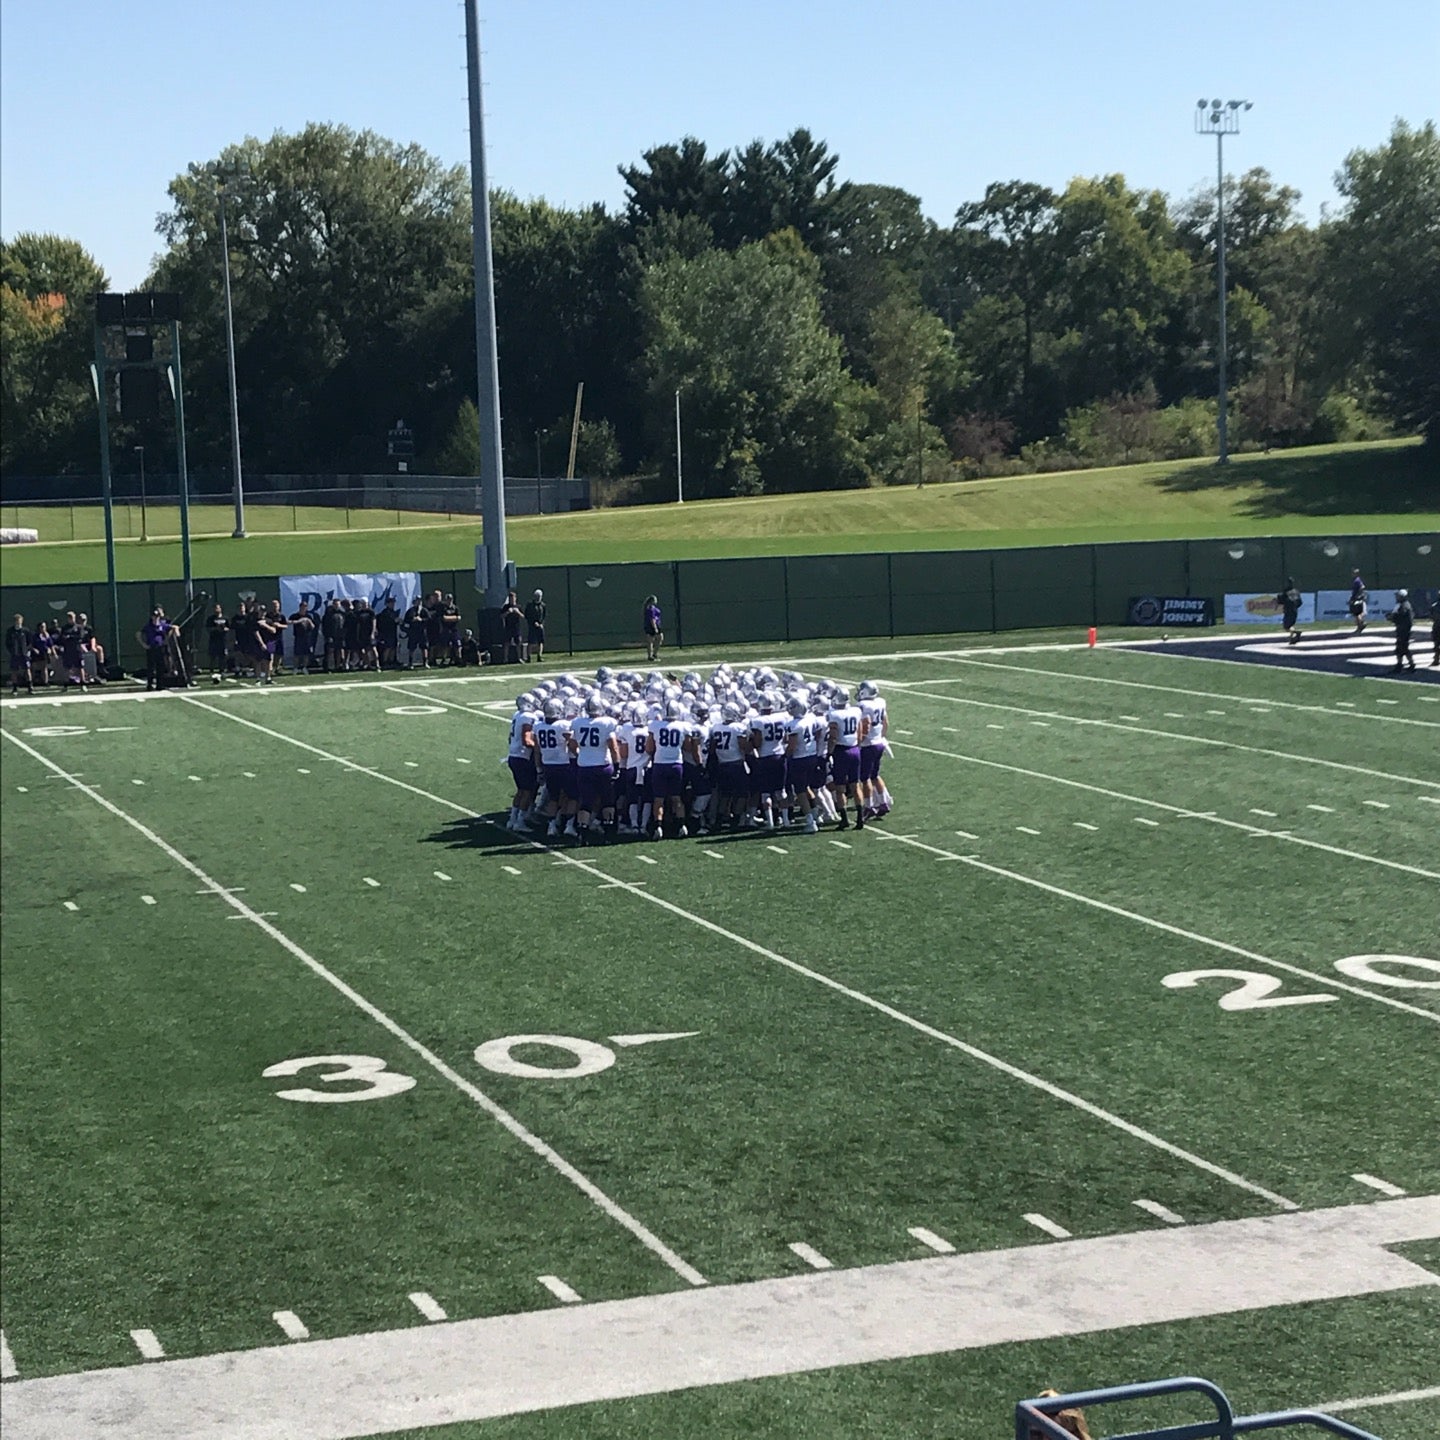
x=559 y=1289
x=564 y=1356
x=1431 y=799
x=1179 y=690
x=936 y=1242
x=1375 y=804
x=1206 y=815
x=510 y=870
x=1160 y=1212
x=147 y=899
x=427 y=1305
x=1026 y=830
x=1375 y=1402
x=1048 y=1226
x=291 y=1324
x=1314 y=976
x=1137 y=729
x=812 y=1257
x=497 y=1112
x=1383 y=1186
x=147 y=1344
x=1081 y=825
x=8 y=1370
x=973 y=1051
x=71 y=905
x=373 y=884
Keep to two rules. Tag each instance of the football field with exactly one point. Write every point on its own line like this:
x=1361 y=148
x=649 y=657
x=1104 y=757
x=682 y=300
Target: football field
x=333 y=1108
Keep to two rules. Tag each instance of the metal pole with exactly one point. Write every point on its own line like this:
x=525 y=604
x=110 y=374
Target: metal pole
x=1220 y=273
x=239 y=532
x=144 y=523
x=679 y=465
x=97 y=373
x=178 y=390
x=487 y=364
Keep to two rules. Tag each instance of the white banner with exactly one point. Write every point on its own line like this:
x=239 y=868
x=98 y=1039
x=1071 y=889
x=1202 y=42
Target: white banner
x=319 y=590
x=1265 y=609
x=1335 y=604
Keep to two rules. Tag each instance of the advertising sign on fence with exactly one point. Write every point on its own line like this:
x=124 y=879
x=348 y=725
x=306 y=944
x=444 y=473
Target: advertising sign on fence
x=1335 y=604
x=1170 y=610
x=319 y=590
x=1265 y=609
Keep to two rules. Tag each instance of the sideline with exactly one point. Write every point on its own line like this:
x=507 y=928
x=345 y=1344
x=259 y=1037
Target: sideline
x=491 y=1107
x=473 y=1370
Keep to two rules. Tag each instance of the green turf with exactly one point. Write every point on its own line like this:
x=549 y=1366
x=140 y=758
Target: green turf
x=1384 y=487
x=152 y=1178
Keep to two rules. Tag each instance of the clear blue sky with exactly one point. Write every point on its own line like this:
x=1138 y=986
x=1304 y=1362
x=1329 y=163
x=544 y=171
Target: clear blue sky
x=101 y=104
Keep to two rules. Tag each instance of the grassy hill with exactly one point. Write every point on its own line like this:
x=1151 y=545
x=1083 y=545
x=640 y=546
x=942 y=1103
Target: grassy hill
x=1388 y=486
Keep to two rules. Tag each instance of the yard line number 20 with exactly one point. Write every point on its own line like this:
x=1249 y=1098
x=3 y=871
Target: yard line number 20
x=1255 y=990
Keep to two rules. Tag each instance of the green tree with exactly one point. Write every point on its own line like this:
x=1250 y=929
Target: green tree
x=47 y=405
x=740 y=334
x=1382 y=257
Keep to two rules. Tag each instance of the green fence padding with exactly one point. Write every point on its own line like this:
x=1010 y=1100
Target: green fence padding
x=944 y=614
x=1409 y=560
x=731 y=601
x=1030 y=607
x=940 y=572
x=606 y=603
x=1325 y=564
x=1123 y=572
x=1221 y=567
x=831 y=578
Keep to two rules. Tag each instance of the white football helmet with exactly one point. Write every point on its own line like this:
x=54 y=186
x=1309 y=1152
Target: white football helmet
x=868 y=690
x=553 y=710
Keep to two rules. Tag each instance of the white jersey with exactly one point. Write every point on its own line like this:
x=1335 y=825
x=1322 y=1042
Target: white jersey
x=670 y=737
x=771 y=734
x=810 y=732
x=592 y=735
x=727 y=741
x=552 y=739
x=874 y=713
x=632 y=741
x=524 y=720
x=846 y=725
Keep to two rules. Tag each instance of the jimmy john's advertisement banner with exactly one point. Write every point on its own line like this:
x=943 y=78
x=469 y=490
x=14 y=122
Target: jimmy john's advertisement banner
x=1266 y=609
x=1170 y=610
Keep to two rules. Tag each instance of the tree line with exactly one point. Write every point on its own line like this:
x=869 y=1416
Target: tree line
x=822 y=333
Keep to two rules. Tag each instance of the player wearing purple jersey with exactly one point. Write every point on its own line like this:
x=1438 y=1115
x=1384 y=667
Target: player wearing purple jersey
x=847 y=729
x=597 y=756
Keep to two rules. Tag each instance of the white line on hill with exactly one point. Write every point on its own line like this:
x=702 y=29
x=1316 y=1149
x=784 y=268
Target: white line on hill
x=812 y=1257
x=973 y=1051
x=1315 y=976
x=1206 y=815
x=928 y=1237
x=426 y=1305
x=497 y=1112
x=291 y=1324
x=1048 y=1226
x=147 y=1344
x=559 y=1289
x=1375 y=1183
x=1160 y=1212
x=8 y=1370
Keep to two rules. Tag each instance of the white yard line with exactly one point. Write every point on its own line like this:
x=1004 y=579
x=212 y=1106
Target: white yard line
x=811 y=1256
x=148 y=1346
x=291 y=1324
x=1041 y=1222
x=567 y=1356
x=974 y=1052
x=1138 y=729
x=497 y=1112
x=1314 y=976
x=8 y=1370
x=1179 y=810
x=1376 y=1402
x=559 y=1289
x=1375 y=1183
x=1160 y=1212
x=938 y=1244
x=427 y=1306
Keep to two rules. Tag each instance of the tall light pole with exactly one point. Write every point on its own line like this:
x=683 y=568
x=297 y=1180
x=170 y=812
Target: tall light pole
x=1220 y=118
x=144 y=526
x=679 y=465
x=225 y=176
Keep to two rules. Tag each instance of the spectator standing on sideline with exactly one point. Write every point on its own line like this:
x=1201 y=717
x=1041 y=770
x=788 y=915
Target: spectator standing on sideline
x=217 y=638
x=71 y=659
x=42 y=651
x=267 y=638
x=511 y=617
x=1435 y=630
x=348 y=619
x=17 y=646
x=367 y=656
x=416 y=627
x=650 y=623
x=1358 y=597
x=332 y=632
x=91 y=651
x=1289 y=602
x=387 y=634
x=434 y=609
x=450 y=628
x=155 y=637
x=275 y=618
x=239 y=638
x=1403 y=619
x=302 y=638
x=535 y=613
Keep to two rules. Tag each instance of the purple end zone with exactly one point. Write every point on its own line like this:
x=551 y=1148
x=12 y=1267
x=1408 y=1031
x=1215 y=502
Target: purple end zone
x=1336 y=652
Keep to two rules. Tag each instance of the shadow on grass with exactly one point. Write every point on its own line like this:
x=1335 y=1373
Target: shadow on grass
x=1403 y=481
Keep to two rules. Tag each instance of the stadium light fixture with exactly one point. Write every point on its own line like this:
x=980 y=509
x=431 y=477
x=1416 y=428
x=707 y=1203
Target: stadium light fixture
x=1222 y=119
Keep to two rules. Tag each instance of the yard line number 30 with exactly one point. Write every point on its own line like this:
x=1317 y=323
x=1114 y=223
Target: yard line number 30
x=1255 y=990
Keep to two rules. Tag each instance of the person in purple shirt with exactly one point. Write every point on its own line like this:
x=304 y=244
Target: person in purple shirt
x=42 y=652
x=651 y=624
x=155 y=637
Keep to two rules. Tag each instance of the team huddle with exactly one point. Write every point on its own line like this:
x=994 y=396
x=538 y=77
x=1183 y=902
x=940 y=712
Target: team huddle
x=633 y=754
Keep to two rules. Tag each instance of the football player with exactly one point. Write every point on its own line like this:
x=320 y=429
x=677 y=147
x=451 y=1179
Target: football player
x=521 y=759
x=597 y=757
x=847 y=730
x=873 y=794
